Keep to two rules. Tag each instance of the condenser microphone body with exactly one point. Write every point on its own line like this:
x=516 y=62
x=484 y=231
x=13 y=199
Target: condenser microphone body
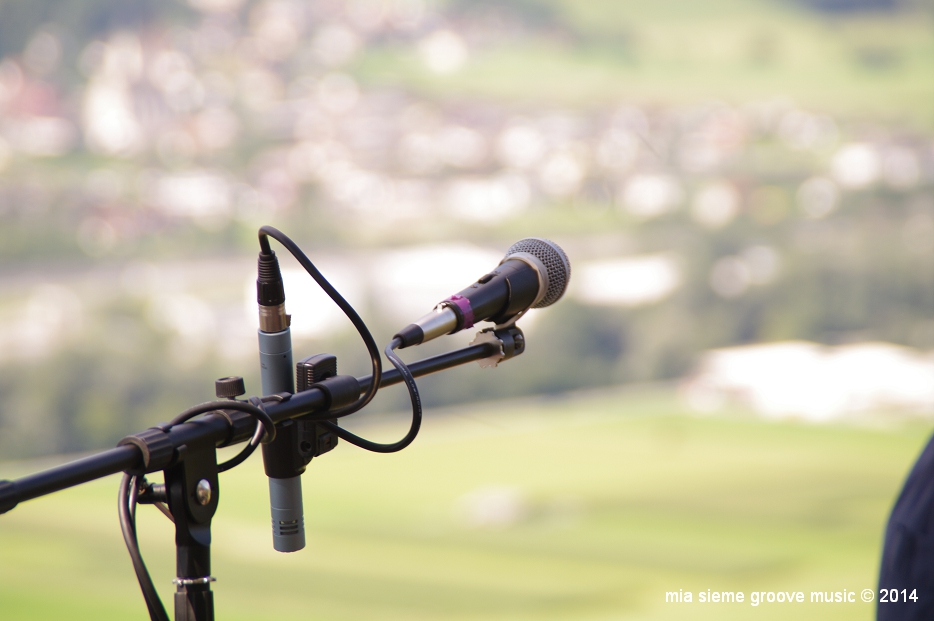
x=533 y=274
x=275 y=356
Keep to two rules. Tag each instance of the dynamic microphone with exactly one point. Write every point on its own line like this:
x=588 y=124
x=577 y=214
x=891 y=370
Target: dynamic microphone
x=533 y=274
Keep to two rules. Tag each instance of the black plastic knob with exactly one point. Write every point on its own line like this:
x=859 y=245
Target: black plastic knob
x=229 y=387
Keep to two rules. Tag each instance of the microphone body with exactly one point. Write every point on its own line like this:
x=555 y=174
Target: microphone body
x=285 y=489
x=275 y=357
x=533 y=274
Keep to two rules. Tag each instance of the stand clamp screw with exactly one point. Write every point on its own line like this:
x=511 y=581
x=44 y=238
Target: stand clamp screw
x=203 y=492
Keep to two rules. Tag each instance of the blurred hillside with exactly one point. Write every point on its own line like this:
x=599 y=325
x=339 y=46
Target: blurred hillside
x=724 y=173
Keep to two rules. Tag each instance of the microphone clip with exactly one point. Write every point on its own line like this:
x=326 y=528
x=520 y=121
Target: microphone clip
x=508 y=340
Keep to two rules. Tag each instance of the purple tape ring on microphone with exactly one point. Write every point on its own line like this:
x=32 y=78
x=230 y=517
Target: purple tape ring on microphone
x=464 y=305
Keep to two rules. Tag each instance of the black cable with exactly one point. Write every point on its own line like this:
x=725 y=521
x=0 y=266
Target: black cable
x=212 y=406
x=355 y=319
x=246 y=452
x=409 y=380
x=371 y=348
x=127 y=511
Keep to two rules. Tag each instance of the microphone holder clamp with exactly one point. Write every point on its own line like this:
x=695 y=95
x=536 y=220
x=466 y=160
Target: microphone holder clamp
x=509 y=342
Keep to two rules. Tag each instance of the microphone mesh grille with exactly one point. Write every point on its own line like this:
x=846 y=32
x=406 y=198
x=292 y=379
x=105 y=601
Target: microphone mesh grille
x=556 y=264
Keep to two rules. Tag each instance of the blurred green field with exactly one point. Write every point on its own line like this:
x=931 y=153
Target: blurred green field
x=598 y=53
x=621 y=497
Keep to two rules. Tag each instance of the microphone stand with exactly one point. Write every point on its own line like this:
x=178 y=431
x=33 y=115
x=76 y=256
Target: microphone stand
x=186 y=453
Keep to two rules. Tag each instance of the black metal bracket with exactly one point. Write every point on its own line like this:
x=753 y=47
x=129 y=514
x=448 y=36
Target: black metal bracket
x=192 y=491
x=155 y=446
x=300 y=440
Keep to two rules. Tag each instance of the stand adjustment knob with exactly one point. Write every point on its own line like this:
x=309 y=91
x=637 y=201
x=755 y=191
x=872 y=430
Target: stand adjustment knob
x=229 y=387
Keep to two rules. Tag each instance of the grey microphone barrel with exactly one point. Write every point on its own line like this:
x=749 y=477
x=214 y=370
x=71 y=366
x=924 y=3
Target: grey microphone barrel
x=275 y=361
x=285 y=495
x=288 y=519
